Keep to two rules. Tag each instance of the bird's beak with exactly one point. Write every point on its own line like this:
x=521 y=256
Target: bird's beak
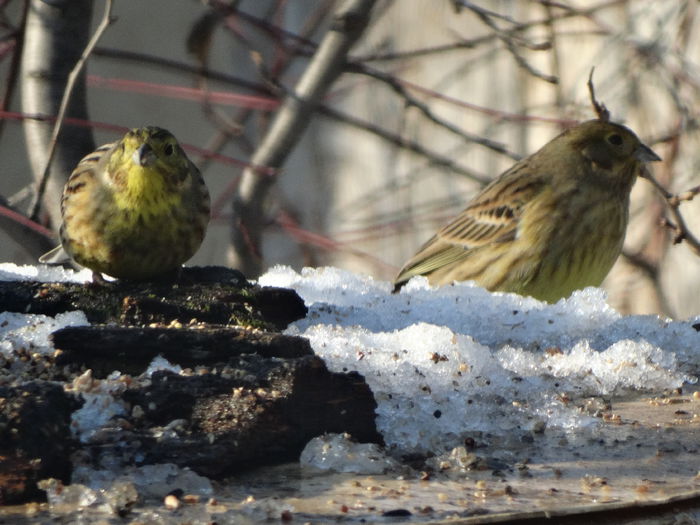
x=145 y=156
x=645 y=154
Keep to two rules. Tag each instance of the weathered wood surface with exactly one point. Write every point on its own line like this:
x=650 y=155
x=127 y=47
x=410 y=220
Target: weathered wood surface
x=104 y=349
x=247 y=396
x=35 y=440
x=209 y=294
x=251 y=412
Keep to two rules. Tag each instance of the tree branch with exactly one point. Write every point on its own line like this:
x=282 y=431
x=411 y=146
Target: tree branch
x=55 y=36
x=30 y=236
x=394 y=139
x=411 y=101
x=509 y=41
x=600 y=110
x=286 y=129
x=73 y=77
x=673 y=202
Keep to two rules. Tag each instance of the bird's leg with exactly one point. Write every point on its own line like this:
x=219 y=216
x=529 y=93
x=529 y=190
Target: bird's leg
x=98 y=279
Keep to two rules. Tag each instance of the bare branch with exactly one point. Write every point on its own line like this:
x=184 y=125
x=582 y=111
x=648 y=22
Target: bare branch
x=650 y=270
x=415 y=147
x=473 y=43
x=55 y=36
x=678 y=226
x=396 y=85
x=168 y=64
x=289 y=123
x=30 y=236
x=688 y=195
x=600 y=110
x=275 y=32
x=509 y=41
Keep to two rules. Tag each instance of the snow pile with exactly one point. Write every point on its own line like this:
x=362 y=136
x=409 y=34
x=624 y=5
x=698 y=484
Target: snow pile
x=30 y=332
x=13 y=272
x=101 y=403
x=102 y=399
x=150 y=481
x=338 y=453
x=445 y=363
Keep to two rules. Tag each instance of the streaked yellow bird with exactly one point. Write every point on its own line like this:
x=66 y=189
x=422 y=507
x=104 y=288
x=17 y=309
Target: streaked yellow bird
x=135 y=209
x=551 y=224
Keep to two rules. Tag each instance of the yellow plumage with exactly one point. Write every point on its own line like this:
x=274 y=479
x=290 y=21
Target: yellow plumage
x=135 y=209
x=553 y=223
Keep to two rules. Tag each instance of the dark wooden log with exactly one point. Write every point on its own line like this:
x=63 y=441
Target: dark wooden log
x=130 y=349
x=209 y=294
x=247 y=396
x=253 y=412
x=35 y=438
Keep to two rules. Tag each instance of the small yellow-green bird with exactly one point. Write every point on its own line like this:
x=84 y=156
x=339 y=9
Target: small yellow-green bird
x=551 y=224
x=135 y=209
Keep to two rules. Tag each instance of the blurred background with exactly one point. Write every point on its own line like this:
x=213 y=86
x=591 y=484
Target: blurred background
x=435 y=98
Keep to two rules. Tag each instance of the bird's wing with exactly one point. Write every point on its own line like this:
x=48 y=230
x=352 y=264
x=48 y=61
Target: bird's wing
x=493 y=216
x=57 y=256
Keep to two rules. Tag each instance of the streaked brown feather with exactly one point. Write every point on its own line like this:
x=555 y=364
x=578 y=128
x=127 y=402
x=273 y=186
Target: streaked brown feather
x=133 y=220
x=552 y=223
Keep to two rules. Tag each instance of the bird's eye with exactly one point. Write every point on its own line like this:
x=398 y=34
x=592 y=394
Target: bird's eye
x=169 y=150
x=615 y=139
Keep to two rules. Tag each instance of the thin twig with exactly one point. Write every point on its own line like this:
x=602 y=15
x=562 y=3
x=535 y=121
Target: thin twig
x=648 y=268
x=287 y=127
x=470 y=44
x=415 y=147
x=95 y=124
x=70 y=85
x=495 y=113
x=392 y=138
x=273 y=31
x=673 y=201
x=598 y=107
x=551 y=28
x=290 y=225
x=228 y=127
x=508 y=41
x=411 y=101
x=33 y=238
x=144 y=59
x=263 y=88
x=651 y=271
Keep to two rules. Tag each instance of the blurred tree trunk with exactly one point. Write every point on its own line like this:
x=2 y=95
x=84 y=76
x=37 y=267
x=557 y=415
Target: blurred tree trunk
x=56 y=33
x=349 y=22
